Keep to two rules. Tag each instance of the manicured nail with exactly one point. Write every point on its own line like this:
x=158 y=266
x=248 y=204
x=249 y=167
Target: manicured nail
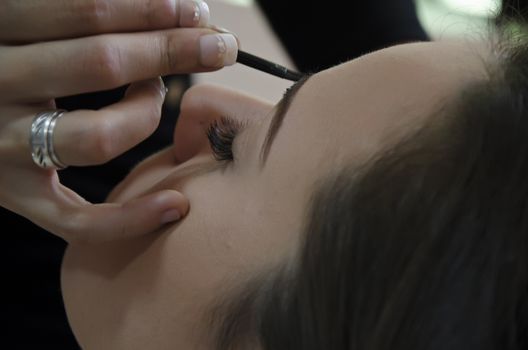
x=219 y=29
x=223 y=30
x=163 y=88
x=170 y=215
x=194 y=13
x=218 y=50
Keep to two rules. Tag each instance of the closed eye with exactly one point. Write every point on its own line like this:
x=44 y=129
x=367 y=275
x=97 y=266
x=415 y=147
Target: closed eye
x=221 y=135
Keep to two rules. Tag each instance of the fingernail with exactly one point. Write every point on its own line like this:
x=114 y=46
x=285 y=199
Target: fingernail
x=163 y=88
x=170 y=215
x=218 y=50
x=223 y=30
x=194 y=13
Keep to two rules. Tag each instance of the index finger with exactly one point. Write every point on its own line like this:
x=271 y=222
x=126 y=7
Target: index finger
x=38 y=20
x=54 y=69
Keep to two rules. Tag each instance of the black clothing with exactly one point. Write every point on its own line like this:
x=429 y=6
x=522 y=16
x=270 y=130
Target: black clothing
x=316 y=34
x=319 y=34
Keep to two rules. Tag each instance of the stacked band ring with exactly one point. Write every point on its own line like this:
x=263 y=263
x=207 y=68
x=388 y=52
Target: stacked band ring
x=41 y=140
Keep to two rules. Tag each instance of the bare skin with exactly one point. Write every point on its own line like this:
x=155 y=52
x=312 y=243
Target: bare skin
x=53 y=48
x=151 y=292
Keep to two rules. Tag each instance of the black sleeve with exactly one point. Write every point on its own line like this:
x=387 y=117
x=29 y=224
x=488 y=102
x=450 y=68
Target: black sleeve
x=321 y=34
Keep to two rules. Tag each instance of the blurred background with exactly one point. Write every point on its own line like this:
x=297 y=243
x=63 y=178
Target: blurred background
x=440 y=19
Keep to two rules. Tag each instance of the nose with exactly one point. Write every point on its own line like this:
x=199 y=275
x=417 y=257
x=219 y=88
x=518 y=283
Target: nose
x=200 y=106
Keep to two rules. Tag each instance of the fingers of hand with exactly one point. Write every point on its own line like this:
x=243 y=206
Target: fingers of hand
x=38 y=195
x=15 y=126
x=109 y=61
x=61 y=211
x=95 y=137
x=92 y=224
x=85 y=137
x=44 y=20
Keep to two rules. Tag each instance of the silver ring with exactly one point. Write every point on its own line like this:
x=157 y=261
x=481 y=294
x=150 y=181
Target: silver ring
x=41 y=140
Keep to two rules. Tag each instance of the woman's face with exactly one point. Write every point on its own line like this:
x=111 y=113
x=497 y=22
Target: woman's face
x=246 y=216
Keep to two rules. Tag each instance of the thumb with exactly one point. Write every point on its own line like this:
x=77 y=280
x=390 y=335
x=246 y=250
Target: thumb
x=139 y=216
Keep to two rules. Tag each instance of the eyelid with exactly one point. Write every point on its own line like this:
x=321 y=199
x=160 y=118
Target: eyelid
x=222 y=134
x=251 y=136
x=241 y=143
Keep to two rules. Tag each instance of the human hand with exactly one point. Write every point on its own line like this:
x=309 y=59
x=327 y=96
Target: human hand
x=51 y=49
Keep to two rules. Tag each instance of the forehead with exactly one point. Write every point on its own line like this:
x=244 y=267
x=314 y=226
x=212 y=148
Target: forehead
x=351 y=110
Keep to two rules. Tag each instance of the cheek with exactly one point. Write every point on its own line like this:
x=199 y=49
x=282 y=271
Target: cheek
x=129 y=294
x=139 y=295
x=148 y=172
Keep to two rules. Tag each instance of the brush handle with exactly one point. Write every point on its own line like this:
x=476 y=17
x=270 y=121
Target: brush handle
x=266 y=66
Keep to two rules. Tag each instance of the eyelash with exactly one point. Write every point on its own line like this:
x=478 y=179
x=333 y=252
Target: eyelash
x=221 y=135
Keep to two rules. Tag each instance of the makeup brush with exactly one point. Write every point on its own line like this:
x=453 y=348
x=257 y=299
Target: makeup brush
x=266 y=66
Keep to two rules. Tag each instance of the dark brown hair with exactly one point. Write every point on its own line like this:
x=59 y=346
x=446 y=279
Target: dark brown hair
x=424 y=247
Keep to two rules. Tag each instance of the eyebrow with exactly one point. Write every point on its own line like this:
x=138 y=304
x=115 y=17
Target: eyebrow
x=278 y=117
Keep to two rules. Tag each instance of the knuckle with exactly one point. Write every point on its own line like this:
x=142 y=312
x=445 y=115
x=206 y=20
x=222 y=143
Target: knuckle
x=94 y=13
x=166 y=53
x=179 y=51
x=170 y=47
x=105 y=62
